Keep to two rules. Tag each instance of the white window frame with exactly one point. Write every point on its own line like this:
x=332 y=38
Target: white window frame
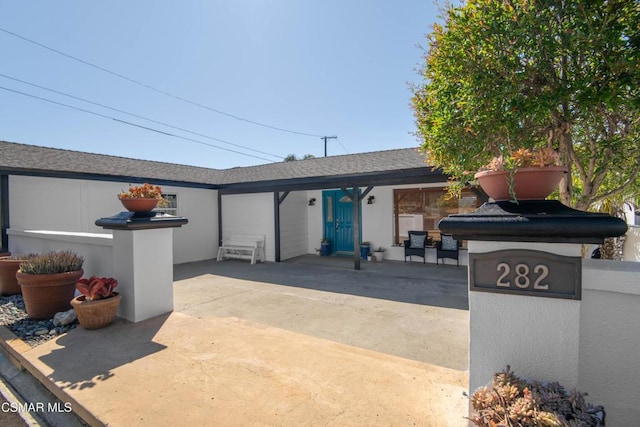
x=169 y=210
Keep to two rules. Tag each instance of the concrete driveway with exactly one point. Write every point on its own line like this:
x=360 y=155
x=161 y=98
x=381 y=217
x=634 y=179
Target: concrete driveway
x=411 y=310
x=307 y=343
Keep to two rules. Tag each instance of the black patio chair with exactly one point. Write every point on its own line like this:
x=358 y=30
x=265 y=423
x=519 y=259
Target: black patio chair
x=416 y=245
x=448 y=247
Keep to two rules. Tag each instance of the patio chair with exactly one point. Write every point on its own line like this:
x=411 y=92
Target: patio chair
x=416 y=245
x=448 y=247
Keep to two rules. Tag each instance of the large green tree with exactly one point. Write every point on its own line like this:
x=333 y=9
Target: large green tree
x=500 y=75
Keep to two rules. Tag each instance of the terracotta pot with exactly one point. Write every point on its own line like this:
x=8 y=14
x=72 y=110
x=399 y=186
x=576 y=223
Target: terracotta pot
x=47 y=294
x=96 y=314
x=532 y=183
x=133 y=204
x=8 y=282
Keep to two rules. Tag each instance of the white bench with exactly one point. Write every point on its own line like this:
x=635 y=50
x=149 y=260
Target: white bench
x=243 y=246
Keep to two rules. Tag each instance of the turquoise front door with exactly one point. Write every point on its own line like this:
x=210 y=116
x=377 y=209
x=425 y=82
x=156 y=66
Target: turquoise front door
x=338 y=221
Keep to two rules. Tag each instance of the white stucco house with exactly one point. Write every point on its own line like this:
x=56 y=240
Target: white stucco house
x=294 y=204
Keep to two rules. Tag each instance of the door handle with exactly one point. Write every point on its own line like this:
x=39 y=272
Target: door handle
x=337 y=224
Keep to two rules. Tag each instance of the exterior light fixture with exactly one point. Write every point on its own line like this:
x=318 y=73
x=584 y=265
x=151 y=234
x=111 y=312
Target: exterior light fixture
x=370 y=200
x=312 y=201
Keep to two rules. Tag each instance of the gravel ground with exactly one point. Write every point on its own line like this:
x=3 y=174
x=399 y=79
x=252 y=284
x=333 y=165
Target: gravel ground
x=34 y=332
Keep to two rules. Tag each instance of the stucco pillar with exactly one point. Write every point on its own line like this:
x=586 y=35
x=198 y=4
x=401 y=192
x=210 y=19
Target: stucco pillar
x=536 y=336
x=525 y=286
x=143 y=262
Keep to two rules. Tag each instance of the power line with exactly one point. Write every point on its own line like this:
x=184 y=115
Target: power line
x=130 y=123
x=343 y=147
x=156 y=89
x=138 y=116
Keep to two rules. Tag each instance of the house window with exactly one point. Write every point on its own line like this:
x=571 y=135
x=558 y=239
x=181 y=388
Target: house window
x=172 y=204
x=422 y=208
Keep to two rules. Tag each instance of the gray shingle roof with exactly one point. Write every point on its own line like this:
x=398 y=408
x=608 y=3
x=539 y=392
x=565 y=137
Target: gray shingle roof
x=29 y=158
x=377 y=161
x=35 y=158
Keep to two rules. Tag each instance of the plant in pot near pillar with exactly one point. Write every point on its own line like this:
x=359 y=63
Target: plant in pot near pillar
x=378 y=253
x=48 y=282
x=142 y=198
x=525 y=174
x=9 y=266
x=97 y=305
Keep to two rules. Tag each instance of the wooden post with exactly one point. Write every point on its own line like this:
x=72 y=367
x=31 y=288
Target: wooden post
x=356 y=227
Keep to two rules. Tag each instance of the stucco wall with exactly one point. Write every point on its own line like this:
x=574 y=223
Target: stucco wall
x=592 y=344
x=250 y=214
x=197 y=240
x=294 y=240
x=73 y=205
x=95 y=248
x=609 y=362
x=314 y=222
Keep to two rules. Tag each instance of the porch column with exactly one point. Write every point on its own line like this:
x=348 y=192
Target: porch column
x=277 y=201
x=356 y=227
x=4 y=212
x=276 y=220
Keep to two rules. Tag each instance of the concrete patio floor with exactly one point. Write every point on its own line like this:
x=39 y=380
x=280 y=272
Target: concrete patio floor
x=305 y=342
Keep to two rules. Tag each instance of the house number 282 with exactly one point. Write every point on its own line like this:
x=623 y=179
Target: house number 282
x=522 y=276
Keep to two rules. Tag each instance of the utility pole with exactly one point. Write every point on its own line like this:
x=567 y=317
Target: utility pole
x=325 y=142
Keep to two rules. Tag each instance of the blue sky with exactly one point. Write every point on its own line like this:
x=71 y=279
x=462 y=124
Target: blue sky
x=331 y=67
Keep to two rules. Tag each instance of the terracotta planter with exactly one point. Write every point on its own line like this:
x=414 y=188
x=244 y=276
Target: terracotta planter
x=138 y=204
x=8 y=282
x=47 y=294
x=96 y=314
x=532 y=183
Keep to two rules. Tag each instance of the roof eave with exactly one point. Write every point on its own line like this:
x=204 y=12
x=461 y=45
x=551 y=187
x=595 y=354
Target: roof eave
x=103 y=177
x=421 y=175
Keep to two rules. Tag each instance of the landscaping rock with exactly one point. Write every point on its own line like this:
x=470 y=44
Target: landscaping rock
x=64 y=318
x=34 y=332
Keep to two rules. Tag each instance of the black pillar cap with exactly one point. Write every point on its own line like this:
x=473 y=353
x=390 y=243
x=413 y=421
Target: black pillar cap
x=140 y=221
x=532 y=221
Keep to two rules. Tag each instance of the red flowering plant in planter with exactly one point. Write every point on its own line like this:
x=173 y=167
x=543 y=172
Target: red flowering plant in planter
x=524 y=174
x=98 y=304
x=143 y=197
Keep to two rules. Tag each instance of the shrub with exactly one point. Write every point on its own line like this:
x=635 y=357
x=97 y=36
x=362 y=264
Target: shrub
x=19 y=257
x=52 y=263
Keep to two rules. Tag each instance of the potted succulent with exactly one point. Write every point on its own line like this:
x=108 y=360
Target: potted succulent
x=97 y=305
x=48 y=282
x=142 y=198
x=9 y=266
x=512 y=401
x=525 y=174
